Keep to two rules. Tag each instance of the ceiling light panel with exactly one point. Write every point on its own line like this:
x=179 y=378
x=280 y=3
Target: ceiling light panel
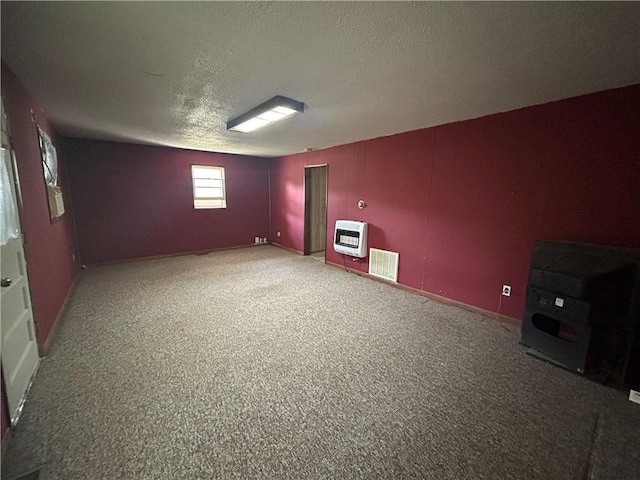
x=274 y=110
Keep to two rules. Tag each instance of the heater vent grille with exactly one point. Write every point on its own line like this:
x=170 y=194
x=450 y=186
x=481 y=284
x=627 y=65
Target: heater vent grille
x=383 y=264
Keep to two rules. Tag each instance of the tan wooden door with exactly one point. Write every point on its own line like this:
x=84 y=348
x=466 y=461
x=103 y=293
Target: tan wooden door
x=318 y=209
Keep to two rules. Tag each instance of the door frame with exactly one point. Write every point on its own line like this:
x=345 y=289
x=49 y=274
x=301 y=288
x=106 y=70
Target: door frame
x=14 y=416
x=307 y=206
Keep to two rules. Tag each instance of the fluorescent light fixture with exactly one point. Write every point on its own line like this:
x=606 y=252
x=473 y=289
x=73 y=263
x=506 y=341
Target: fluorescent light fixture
x=271 y=111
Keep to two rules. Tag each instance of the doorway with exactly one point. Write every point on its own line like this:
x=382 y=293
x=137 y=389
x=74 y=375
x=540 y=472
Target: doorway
x=315 y=211
x=19 y=350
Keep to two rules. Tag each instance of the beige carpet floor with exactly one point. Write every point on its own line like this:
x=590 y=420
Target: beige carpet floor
x=262 y=364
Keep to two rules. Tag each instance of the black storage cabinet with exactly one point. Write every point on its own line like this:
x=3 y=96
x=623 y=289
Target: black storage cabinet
x=583 y=308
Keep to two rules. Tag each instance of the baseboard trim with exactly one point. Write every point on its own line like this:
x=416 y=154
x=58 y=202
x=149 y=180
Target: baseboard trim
x=287 y=248
x=499 y=317
x=46 y=346
x=170 y=255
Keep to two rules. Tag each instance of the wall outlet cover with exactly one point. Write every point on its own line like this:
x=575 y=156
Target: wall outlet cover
x=506 y=290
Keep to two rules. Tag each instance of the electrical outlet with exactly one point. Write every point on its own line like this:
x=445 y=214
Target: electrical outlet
x=506 y=290
x=277 y=234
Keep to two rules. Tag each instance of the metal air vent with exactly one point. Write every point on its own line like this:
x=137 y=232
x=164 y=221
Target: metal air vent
x=383 y=264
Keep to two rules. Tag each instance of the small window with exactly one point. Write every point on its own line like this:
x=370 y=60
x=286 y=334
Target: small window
x=208 y=187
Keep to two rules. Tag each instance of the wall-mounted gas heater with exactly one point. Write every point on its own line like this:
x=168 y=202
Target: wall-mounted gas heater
x=350 y=238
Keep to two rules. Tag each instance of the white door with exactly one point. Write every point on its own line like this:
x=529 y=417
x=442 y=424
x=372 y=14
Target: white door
x=18 y=346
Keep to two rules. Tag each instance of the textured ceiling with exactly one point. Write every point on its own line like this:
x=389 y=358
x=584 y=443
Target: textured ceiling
x=173 y=73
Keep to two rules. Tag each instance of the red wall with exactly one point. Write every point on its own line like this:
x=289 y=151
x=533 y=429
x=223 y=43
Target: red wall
x=135 y=201
x=463 y=203
x=49 y=245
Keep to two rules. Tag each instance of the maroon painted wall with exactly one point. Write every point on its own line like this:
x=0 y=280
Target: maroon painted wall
x=49 y=245
x=463 y=203
x=135 y=201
